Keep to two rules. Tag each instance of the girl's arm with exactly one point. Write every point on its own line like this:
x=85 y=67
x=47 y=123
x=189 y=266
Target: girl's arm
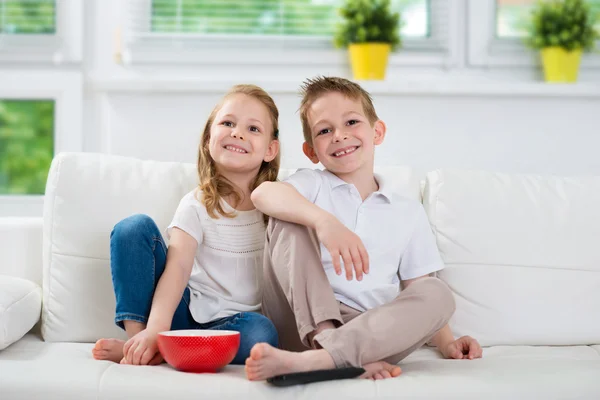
x=172 y=283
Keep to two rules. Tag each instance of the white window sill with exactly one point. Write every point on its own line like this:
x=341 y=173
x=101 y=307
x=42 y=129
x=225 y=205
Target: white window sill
x=21 y=205
x=440 y=87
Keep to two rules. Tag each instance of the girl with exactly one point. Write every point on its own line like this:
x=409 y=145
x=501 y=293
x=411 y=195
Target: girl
x=210 y=276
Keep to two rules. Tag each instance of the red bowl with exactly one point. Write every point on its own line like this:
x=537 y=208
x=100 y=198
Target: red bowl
x=198 y=350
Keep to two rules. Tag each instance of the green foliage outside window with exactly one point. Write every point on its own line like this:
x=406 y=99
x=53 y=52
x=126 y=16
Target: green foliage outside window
x=26 y=145
x=27 y=16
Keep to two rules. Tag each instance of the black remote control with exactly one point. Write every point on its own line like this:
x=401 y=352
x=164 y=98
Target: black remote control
x=315 y=376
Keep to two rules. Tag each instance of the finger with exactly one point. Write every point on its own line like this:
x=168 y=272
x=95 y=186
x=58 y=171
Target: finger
x=377 y=376
x=147 y=355
x=129 y=356
x=365 y=258
x=137 y=354
x=358 y=267
x=127 y=346
x=347 y=263
x=456 y=353
x=335 y=258
x=385 y=374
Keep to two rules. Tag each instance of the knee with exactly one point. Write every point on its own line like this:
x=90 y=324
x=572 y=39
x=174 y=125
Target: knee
x=261 y=330
x=133 y=228
x=439 y=295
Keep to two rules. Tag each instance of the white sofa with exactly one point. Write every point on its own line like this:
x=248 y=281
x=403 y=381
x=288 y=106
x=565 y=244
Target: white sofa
x=522 y=255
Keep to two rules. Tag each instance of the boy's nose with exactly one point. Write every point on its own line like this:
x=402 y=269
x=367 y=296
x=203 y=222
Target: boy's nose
x=339 y=136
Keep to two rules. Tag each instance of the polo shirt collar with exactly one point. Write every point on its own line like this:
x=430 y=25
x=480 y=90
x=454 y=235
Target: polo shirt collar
x=384 y=188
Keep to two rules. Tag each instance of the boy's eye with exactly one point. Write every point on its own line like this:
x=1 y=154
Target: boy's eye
x=324 y=131
x=352 y=122
x=227 y=123
x=254 y=129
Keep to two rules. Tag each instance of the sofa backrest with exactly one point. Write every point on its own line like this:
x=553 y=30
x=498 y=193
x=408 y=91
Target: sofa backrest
x=522 y=255
x=86 y=195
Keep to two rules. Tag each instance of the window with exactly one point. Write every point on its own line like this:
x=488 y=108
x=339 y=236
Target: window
x=26 y=145
x=512 y=16
x=27 y=17
x=47 y=31
x=186 y=31
x=496 y=31
x=312 y=18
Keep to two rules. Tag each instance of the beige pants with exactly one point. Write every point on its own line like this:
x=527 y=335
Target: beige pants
x=297 y=297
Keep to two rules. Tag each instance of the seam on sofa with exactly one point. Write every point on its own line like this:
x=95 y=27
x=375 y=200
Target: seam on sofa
x=595 y=349
x=102 y=379
x=20 y=300
x=47 y=282
x=79 y=256
x=519 y=266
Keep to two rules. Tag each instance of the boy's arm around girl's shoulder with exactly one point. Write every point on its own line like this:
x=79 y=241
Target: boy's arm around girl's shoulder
x=281 y=200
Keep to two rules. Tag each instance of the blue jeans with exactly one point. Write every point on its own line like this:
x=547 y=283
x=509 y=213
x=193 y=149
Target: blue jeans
x=138 y=256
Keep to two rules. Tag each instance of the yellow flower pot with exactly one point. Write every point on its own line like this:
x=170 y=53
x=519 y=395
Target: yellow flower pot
x=560 y=65
x=369 y=60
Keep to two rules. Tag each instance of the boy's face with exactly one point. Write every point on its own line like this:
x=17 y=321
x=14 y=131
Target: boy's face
x=343 y=138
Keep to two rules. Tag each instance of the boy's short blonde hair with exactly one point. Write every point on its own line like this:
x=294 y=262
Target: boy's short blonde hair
x=313 y=89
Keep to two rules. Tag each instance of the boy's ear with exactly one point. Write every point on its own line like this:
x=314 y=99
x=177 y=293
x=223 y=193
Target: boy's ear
x=310 y=153
x=380 y=130
x=272 y=151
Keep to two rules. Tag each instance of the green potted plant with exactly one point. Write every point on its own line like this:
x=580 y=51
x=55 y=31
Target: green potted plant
x=562 y=30
x=370 y=30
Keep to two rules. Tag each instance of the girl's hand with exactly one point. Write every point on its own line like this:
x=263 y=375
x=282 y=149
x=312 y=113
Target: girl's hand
x=341 y=241
x=142 y=349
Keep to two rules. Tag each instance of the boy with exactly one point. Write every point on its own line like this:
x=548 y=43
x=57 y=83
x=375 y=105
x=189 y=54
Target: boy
x=384 y=241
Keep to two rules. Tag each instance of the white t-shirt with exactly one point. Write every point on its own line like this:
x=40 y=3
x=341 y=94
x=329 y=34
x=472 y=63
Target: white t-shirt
x=227 y=271
x=394 y=230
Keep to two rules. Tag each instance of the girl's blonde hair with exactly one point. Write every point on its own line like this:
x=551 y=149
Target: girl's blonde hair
x=215 y=186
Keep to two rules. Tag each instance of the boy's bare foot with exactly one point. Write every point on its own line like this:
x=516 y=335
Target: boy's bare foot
x=380 y=370
x=266 y=361
x=108 y=349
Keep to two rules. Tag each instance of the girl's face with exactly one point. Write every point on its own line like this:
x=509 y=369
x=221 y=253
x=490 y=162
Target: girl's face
x=241 y=135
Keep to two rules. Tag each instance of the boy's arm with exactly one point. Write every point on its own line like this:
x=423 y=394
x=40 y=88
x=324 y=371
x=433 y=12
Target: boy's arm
x=282 y=201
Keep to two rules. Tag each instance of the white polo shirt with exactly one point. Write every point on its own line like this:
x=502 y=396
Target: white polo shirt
x=394 y=229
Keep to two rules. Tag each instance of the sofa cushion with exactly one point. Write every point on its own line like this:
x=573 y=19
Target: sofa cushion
x=20 y=306
x=21 y=248
x=32 y=369
x=86 y=195
x=522 y=255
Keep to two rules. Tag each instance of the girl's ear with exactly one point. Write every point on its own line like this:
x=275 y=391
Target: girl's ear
x=272 y=151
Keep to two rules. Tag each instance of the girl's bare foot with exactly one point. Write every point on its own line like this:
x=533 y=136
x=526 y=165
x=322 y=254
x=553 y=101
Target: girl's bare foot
x=108 y=349
x=380 y=370
x=266 y=361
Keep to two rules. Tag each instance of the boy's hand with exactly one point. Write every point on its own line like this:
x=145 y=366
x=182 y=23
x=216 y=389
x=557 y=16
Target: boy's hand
x=463 y=348
x=141 y=349
x=341 y=241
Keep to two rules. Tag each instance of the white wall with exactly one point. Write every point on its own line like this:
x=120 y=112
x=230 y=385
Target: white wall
x=502 y=119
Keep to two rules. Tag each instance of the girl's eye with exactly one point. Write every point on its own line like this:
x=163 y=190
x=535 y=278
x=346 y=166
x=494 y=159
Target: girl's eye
x=227 y=123
x=324 y=131
x=352 y=122
x=254 y=129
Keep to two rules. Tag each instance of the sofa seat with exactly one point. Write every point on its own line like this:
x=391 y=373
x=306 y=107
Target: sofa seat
x=32 y=368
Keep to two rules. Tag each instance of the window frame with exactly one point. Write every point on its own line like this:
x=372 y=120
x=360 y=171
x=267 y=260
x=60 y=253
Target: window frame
x=65 y=89
x=64 y=46
x=486 y=49
x=438 y=49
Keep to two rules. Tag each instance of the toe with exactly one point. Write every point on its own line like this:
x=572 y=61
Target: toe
x=258 y=351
